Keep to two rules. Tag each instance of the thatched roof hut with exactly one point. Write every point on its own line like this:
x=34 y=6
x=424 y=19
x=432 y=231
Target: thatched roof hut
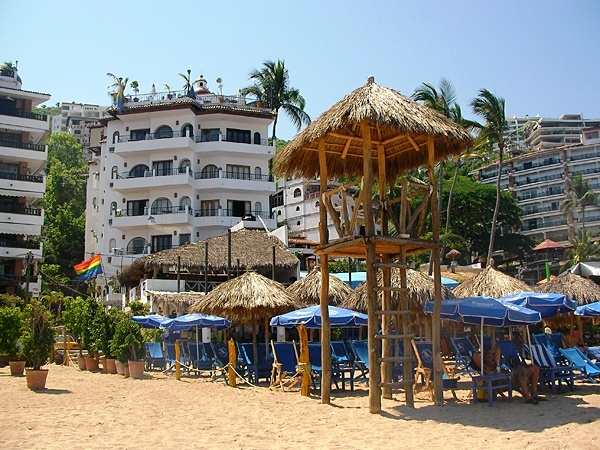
x=492 y=283
x=247 y=299
x=400 y=127
x=167 y=303
x=308 y=289
x=421 y=289
x=252 y=248
x=573 y=286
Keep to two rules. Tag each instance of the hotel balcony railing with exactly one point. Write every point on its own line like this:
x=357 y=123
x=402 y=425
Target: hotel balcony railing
x=202 y=99
x=18 y=113
x=19 y=177
x=20 y=244
x=584 y=156
x=542 y=193
x=7 y=73
x=539 y=179
x=11 y=280
x=222 y=138
x=155 y=210
x=155 y=173
x=230 y=213
x=20 y=210
x=533 y=165
x=152 y=136
x=232 y=176
x=26 y=146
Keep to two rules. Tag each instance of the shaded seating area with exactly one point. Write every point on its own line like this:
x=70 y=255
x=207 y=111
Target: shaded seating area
x=424 y=371
x=576 y=358
x=545 y=340
x=285 y=365
x=198 y=358
x=463 y=350
x=155 y=357
x=360 y=352
x=261 y=368
x=551 y=373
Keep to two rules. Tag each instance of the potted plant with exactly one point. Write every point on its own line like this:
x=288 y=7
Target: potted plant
x=128 y=346
x=136 y=88
x=11 y=328
x=220 y=86
x=90 y=339
x=74 y=318
x=170 y=94
x=109 y=324
x=38 y=341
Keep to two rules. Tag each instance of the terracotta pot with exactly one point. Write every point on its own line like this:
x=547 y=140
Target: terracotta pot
x=81 y=362
x=91 y=363
x=103 y=362
x=119 y=367
x=126 y=370
x=17 y=368
x=36 y=379
x=111 y=365
x=136 y=369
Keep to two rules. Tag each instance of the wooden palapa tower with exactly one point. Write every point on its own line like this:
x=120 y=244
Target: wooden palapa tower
x=374 y=135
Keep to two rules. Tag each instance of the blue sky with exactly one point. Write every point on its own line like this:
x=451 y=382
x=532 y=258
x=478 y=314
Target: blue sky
x=540 y=55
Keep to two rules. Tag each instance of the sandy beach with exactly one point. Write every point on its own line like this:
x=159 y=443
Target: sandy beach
x=96 y=410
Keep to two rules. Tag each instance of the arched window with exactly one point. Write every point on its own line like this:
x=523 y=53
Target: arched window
x=162 y=132
x=183 y=202
x=114 y=173
x=257 y=173
x=210 y=171
x=94 y=203
x=139 y=171
x=111 y=245
x=161 y=206
x=137 y=246
x=113 y=208
x=184 y=165
x=258 y=208
x=187 y=130
x=297 y=193
x=297 y=208
x=257 y=138
x=116 y=136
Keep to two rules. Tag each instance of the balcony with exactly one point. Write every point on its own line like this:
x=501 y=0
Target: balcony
x=174 y=140
x=13 y=112
x=181 y=177
x=18 y=249
x=233 y=181
x=536 y=164
x=32 y=154
x=228 y=218
x=174 y=215
x=19 y=185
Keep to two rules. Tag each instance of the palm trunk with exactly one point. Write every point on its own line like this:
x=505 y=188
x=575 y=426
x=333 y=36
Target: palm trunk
x=497 y=208
x=441 y=181
x=450 y=196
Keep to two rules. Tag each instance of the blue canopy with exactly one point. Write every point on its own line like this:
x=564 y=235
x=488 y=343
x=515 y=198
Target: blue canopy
x=485 y=311
x=198 y=320
x=311 y=318
x=149 y=321
x=546 y=303
x=357 y=278
x=589 y=310
x=449 y=282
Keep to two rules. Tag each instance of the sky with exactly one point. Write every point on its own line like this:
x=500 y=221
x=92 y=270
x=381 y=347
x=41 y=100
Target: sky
x=541 y=56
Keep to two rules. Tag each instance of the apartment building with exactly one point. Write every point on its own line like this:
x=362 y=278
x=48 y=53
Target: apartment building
x=173 y=168
x=75 y=118
x=23 y=155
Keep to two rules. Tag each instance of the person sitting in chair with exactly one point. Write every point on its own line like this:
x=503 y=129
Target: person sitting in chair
x=525 y=378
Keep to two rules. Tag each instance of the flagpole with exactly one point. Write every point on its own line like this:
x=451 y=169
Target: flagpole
x=104 y=273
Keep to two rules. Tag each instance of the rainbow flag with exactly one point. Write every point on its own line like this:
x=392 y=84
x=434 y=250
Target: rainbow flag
x=88 y=269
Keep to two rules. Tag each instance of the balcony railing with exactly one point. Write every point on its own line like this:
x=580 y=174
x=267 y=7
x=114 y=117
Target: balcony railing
x=18 y=113
x=539 y=179
x=232 y=176
x=230 y=213
x=152 y=136
x=170 y=210
x=155 y=173
x=19 y=177
x=20 y=210
x=533 y=165
x=11 y=280
x=32 y=245
x=222 y=138
x=7 y=73
x=26 y=146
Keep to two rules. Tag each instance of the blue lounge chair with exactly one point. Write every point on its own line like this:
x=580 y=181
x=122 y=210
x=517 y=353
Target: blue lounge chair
x=424 y=370
x=545 y=340
x=550 y=372
x=577 y=359
x=221 y=361
x=170 y=356
x=340 y=353
x=510 y=356
x=464 y=349
x=198 y=358
x=361 y=356
x=337 y=373
x=593 y=353
x=256 y=369
x=285 y=366
x=155 y=356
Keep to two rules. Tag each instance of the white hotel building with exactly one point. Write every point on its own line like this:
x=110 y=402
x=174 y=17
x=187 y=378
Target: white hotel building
x=23 y=155
x=172 y=170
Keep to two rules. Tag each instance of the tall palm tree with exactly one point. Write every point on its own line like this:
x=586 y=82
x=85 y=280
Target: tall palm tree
x=120 y=85
x=579 y=195
x=272 y=87
x=8 y=65
x=583 y=249
x=187 y=86
x=492 y=110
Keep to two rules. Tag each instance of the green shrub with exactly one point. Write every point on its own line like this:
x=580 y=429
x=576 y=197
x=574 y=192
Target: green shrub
x=128 y=342
x=11 y=328
x=38 y=337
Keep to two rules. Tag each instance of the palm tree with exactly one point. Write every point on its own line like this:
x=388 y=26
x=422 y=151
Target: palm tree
x=492 y=110
x=135 y=86
x=583 y=249
x=579 y=195
x=272 y=86
x=188 y=87
x=119 y=93
x=9 y=65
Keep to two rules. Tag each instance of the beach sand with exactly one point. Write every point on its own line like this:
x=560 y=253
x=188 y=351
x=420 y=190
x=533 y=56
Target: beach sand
x=96 y=410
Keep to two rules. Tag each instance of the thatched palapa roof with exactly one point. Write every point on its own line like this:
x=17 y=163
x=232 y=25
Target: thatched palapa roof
x=573 y=286
x=492 y=283
x=246 y=299
x=421 y=289
x=308 y=289
x=399 y=125
x=253 y=249
x=184 y=298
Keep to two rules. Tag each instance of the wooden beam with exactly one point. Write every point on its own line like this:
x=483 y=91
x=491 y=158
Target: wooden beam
x=414 y=143
x=346 y=147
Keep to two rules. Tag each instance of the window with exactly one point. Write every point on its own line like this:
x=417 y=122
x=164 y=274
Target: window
x=162 y=168
x=257 y=138
x=137 y=207
x=113 y=208
x=210 y=134
x=115 y=137
x=187 y=130
x=141 y=170
x=241 y=136
x=184 y=165
x=160 y=243
x=297 y=193
x=114 y=172
x=257 y=173
x=209 y=207
x=210 y=171
x=258 y=207
x=238 y=172
x=161 y=206
x=139 y=135
x=136 y=246
x=185 y=239
x=237 y=208
x=111 y=245
x=163 y=132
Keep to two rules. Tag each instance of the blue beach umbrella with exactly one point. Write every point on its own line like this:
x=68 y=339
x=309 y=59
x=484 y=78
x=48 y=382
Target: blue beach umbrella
x=196 y=320
x=546 y=303
x=150 y=320
x=311 y=318
x=589 y=310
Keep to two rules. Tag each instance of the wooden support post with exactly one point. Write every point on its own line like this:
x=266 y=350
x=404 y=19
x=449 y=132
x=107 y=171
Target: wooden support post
x=304 y=361
x=373 y=327
x=437 y=280
x=407 y=369
x=232 y=362
x=324 y=263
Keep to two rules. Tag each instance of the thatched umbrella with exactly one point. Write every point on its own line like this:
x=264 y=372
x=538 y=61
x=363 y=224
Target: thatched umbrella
x=308 y=289
x=252 y=248
x=491 y=283
x=246 y=300
x=375 y=133
x=181 y=300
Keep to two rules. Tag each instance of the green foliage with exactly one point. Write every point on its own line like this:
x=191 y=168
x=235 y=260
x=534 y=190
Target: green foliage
x=38 y=337
x=11 y=300
x=75 y=318
x=580 y=195
x=583 y=248
x=11 y=328
x=128 y=342
x=65 y=200
x=138 y=308
x=341 y=266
